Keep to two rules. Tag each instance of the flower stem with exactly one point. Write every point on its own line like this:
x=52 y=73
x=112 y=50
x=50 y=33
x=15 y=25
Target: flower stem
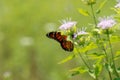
x=98 y=37
x=83 y=59
x=112 y=55
x=93 y=15
x=107 y=62
x=106 y=56
x=85 y=63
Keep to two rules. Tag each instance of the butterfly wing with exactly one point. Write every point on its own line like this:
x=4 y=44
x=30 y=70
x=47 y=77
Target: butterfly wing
x=56 y=36
x=62 y=39
x=67 y=45
x=59 y=37
x=51 y=35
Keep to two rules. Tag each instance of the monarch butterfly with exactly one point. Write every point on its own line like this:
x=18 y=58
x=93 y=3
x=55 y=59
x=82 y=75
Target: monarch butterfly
x=62 y=39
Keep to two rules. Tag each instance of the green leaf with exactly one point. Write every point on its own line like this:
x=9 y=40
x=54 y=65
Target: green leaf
x=117 y=79
x=67 y=59
x=92 y=74
x=83 y=12
x=98 y=69
x=116 y=10
x=101 y=6
x=108 y=67
x=115 y=38
x=96 y=56
x=117 y=55
x=98 y=11
x=78 y=70
x=75 y=73
x=118 y=69
x=88 y=47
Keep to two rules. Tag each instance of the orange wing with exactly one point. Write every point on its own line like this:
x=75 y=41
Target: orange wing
x=57 y=36
x=62 y=39
x=67 y=45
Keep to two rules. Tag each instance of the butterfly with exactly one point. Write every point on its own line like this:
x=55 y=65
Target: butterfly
x=62 y=39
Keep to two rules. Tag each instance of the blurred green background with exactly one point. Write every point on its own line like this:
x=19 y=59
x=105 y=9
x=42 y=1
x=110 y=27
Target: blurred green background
x=25 y=51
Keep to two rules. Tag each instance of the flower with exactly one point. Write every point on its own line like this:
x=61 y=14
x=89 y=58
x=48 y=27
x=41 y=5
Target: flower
x=67 y=24
x=79 y=33
x=89 y=2
x=106 y=22
x=117 y=5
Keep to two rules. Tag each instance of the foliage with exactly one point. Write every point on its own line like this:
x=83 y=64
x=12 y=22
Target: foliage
x=95 y=47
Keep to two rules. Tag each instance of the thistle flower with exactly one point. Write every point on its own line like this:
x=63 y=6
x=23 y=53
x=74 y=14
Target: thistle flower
x=118 y=4
x=67 y=24
x=81 y=32
x=106 y=22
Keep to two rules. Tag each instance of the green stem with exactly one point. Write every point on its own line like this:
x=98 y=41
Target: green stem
x=109 y=75
x=103 y=48
x=94 y=18
x=83 y=59
x=95 y=22
x=112 y=55
x=87 y=59
x=85 y=62
x=106 y=56
x=107 y=62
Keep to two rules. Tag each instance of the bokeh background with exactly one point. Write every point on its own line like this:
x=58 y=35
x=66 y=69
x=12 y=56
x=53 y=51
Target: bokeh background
x=25 y=51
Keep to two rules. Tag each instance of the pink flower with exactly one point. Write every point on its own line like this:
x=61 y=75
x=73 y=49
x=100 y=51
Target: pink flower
x=81 y=32
x=67 y=24
x=106 y=22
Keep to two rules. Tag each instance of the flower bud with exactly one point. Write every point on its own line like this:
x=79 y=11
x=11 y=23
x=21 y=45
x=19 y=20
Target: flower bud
x=89 y=2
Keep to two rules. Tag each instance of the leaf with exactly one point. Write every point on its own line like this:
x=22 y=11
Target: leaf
x=118 y=69
x=98 y=11
x=117 y=79
x=96 y=56
x=78 y=70
x=101 y=6
x=117 y=55
x=67 y=59
x=98 y=69
x=91 y=73
x=115 y=38
x=88 y=47
x=83 y=12
x=75 y=73
x=108 y=67
x=117 y=10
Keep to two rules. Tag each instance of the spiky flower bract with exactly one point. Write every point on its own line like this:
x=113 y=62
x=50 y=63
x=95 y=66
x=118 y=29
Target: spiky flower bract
x=106 y=22
x=67 y=24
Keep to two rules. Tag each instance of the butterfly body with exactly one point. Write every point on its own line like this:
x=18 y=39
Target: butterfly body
x=62 y=39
